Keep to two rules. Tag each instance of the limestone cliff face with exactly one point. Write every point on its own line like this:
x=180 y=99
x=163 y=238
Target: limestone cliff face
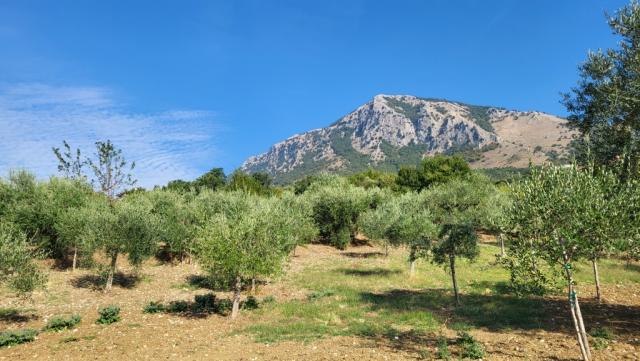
x=392 y=130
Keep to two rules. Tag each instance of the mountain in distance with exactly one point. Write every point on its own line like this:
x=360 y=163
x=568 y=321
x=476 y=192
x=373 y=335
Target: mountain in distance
x=394 y=130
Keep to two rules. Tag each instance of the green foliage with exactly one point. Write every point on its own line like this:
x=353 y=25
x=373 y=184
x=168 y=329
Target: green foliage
x=60 y=323
x=336 y=206
x=153 y=307
x=16 y=337
x=432 y=171
x=471 y=348
x=213 y=180
x=373 y=178
x=205 y=302
x=251 y=303
x=402 y=220
x=557 y=218
x=456 y=240
x=17 y=267
x=256 y=183
x=603 y=104
x=223 y=306
x=176 y=219
x=178 y=307
x=269 y=299
x=108 y=315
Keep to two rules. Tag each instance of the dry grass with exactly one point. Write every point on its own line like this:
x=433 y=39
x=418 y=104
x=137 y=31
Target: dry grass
x=329 y=305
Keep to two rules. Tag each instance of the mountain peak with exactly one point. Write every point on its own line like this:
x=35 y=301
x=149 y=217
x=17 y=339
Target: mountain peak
x=394 y=130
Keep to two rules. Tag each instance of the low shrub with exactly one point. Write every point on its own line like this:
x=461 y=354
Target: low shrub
x=471 y=348
x=223 y=306
x=178 y=307
x=16 y=337
x=108 y=315
x=62 y=323
x=269 y=299
x=602 y=336
x=251 y=303
x=205 y=302
x=153 y=307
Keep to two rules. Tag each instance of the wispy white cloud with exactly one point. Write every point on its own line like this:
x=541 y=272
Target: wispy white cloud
x=36 y=117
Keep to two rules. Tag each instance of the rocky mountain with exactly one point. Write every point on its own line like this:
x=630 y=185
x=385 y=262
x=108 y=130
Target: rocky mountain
x=394 y=130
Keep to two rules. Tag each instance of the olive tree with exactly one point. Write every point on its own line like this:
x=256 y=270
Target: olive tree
x=562 y=215
x=176 y=221
x=124 y=227
x=456 y=240
x=336 y=207
x=458 y=207
x=402 y=221
x=603 y=106
x=18 y=269
x=248 y=238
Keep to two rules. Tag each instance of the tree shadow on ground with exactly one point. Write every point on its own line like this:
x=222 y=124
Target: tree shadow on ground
x=96 y=282
x=14 y=315
x=362 y=254
x=378 y=271
x=505 y=312
x=211 y=283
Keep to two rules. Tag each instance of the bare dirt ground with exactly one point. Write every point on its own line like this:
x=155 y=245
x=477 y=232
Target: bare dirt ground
x=140 y=336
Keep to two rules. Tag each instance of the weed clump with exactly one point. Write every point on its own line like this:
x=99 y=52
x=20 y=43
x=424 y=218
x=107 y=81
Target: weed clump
x=16 y=337
x=108 y=315
x=471 y=348
x=153 y=307
x=62 y=323
x=251 y=303
x=602 y=336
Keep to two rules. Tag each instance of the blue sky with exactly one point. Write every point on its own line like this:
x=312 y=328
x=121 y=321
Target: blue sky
x=183 y=86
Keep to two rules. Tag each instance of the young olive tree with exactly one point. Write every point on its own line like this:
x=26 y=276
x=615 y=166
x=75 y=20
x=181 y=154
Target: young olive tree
x=456 y=240
x=458 y=208
x=561 y=215
x=17 y=267
x=249 y=238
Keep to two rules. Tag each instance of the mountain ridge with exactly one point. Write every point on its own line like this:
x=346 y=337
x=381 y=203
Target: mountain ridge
x=393 y=130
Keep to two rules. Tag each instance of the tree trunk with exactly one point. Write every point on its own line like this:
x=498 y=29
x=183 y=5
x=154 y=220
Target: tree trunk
x=412 y=268
x=576 y=315
x=412 y=262
x=112 y=271
x=452 y=264
x=386 y=249
x=253 y=286
x=236 y=298
x=75 y=257
x=596 y=275
x=583 y=331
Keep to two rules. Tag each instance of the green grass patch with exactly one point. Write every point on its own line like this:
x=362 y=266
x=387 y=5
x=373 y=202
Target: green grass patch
x=60 y=323
x=16 y=337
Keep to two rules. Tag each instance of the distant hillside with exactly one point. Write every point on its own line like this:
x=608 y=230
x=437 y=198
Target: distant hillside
x=394 y=130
